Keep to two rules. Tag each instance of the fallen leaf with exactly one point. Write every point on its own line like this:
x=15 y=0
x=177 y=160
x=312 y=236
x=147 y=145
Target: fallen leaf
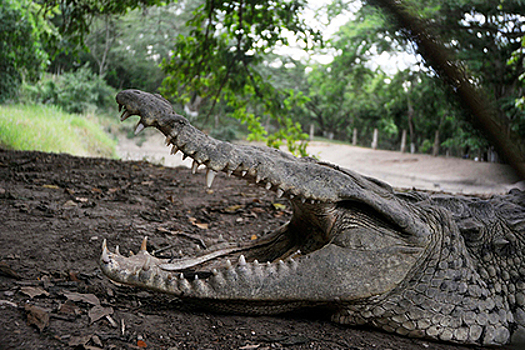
x=7 y=302
x=198 y=224
x=86 y=298
x=141 y=344
x=95 y=339
x=53 y=187
x=33 y=291
x=37 y=316
x=98 y=311
x=70 y=204
x=233 y=208
x=69 y=308
x=80 y=340
x=249 y=347
x=279 y=206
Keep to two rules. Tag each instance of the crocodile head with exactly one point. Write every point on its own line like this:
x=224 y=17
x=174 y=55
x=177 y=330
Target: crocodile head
x=352 y=244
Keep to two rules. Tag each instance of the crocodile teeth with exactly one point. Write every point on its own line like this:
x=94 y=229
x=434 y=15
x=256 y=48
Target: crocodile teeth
x=144 y=244
x=242 y=260
x=139 y=128
x=105 y=255
x=194 y=167
x=125 y=115
x=147 y=264
x=210 y=175
x=243 y=173
x=268 y=185
x=279 y=193
x=174 y=149
x=229 y=173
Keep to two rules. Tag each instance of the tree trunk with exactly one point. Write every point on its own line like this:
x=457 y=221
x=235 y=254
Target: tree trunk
x=403 y=141
x=312 y=131
x=435 y=149
x=354 y=137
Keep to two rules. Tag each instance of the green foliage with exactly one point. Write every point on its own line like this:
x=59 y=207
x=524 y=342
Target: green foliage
x=76 y=92
x=219 y=60
x=49 y=129
x=23 y=35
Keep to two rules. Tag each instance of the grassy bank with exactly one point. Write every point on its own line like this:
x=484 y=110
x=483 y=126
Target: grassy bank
x=48 y=129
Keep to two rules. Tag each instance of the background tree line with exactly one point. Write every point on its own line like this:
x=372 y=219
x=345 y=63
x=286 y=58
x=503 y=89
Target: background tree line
x=215 y=59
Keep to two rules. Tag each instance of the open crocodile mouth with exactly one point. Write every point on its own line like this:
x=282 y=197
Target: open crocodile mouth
x=287 y=259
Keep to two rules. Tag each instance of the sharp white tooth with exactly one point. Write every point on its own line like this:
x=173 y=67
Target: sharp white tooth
x=221 y=238
x=256 y=262
x=243 y=173
x=312 y=201
x=242 y=260
x=180 y=252
x=105 y=255
x=268 y=185
x=117 y=250
x=174 y=149
x=215 y=272
x=146 y=264
x=196 y=277
x=181 y=276
x=279 y=193
x=291 y=196
x=257 y=179
x=210 y=175
x=228 y=264
x=229 y=173
x=144 y=245
x=194 y=167
x=303 y=199
x=139 y=128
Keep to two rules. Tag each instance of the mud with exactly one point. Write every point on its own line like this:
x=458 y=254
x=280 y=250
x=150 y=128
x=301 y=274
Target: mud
x=55 y=210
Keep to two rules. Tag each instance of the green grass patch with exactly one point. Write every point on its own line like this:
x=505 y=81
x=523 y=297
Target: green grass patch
x=49 y=129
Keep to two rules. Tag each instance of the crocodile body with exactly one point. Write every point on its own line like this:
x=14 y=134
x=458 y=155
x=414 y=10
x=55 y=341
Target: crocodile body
x=442 y=267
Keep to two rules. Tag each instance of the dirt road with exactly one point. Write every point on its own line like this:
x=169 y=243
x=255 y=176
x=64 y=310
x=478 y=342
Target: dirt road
x=401 y=170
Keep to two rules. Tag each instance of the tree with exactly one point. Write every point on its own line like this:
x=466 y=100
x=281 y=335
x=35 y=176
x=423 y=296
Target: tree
x=24 y=34
x=219 y=61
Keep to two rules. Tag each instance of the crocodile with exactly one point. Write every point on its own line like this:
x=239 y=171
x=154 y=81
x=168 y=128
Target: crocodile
x=428 y=265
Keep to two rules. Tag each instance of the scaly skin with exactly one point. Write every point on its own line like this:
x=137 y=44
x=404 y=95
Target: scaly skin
x=439 y=267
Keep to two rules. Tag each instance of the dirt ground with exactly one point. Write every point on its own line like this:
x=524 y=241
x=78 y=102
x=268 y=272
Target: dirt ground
x=55 y=210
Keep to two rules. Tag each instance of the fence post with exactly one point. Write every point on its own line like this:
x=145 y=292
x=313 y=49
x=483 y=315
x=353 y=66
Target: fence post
x=374 y=141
